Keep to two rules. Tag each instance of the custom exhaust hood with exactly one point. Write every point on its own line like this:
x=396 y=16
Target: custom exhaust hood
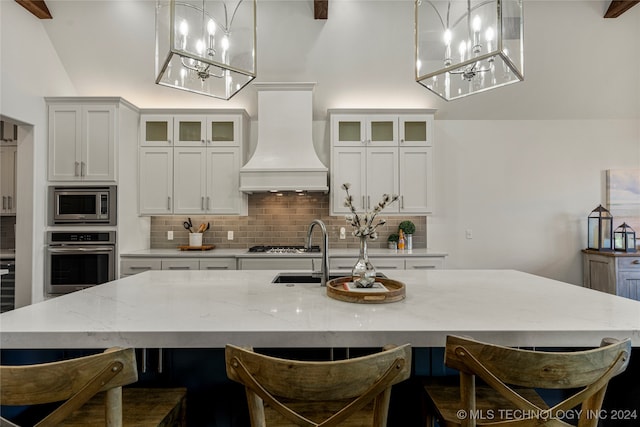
x=284 y=158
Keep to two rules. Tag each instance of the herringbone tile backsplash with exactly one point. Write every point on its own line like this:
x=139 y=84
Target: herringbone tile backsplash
x=277 y=220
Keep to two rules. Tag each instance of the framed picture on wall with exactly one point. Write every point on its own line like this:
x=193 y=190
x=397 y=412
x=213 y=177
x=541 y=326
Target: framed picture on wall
x=623 y=196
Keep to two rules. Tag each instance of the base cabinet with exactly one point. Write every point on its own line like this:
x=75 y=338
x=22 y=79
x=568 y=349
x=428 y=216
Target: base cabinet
x=611 y=272
x=130 y=266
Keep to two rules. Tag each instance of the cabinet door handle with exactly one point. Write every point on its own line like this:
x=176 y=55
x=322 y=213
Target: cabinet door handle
x=213 y=267
x=140 y=267
x=178 y=267
x=202 y=140
x=76 y=173
x=423 y=267
x=4 y=202
x=10 y=202
x=363 y=205
x=368 y=202
x=208 y=203
x=402 y=202
x=402 y=140
x=168 y=141
x=345 y=267
x=202 y=202
x=83 y=169
x=169 y=203
x=387 y=267
x=637 y=261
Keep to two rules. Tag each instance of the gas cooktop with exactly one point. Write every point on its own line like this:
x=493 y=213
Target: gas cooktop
x=284 y=249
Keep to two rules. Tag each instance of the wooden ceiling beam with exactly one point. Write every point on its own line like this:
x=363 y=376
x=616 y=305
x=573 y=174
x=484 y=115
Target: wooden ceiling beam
x=320 y=9
x=618 y=7
x=37 y=7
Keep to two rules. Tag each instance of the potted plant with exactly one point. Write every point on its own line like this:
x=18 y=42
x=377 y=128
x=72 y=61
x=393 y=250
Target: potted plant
x=408 y=228
x=392 y=241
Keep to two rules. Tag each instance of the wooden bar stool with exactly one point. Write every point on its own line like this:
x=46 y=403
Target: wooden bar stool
x=90 y=389
x=509 y=376
x=345 y=393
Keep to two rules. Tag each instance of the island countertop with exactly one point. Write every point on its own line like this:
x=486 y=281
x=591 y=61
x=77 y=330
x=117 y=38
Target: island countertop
x=208 y=309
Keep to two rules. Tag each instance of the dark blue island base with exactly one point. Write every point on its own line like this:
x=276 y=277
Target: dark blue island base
x=214 y=400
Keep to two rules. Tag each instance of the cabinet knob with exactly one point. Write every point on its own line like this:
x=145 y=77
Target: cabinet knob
x=637 y=261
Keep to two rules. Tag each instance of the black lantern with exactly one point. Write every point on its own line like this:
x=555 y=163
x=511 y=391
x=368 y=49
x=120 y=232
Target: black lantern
x=600 y=230
x=624 y=238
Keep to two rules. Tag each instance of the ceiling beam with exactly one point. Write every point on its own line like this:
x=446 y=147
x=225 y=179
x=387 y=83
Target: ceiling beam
x=320 y=9
x=37 y=7
x=618 y=7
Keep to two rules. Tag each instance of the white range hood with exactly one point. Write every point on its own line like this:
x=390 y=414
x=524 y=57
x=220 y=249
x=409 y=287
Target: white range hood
x=284 y=158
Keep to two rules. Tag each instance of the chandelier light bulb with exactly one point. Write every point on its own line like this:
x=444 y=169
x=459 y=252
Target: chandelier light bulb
x=489 y=36
x=477 y=24
x=211 y=27
x=184 y=28
x=447 y=37
x=200 y=47
x=462 y=49
x=225 y=43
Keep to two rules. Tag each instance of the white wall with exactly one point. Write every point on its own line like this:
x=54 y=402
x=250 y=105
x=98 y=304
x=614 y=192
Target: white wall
x=30 y=70
x=524 y=189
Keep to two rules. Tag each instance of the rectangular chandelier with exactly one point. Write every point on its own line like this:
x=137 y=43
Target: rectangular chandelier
x=206 y=46
x=468 y=46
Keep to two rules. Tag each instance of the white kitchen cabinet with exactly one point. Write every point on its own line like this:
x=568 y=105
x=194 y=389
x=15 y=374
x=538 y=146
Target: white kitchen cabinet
x=155 y=182
x=273 y=263
x=416 y=180
x=180 y=264
x=379 y=263
x=616 y=273
x=218 y=264
x=156 y=130
x=206 y=161
x=430 y=263
x=8 y=162
x=382 y=152
x=131 y=266
x=351 y=130
x=82 y=142
x=415 y=130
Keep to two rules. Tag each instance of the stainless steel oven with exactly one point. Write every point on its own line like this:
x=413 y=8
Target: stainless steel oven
x=72 y=205
x=78 y=260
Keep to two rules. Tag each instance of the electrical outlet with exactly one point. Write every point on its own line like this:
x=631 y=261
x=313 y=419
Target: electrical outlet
x=469 y=234
x=343 y=234
x=170 y=235
x=230 y=235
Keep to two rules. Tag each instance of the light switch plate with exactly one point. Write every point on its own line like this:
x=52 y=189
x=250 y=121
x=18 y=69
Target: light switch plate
x=230 y=235
x=170 y=235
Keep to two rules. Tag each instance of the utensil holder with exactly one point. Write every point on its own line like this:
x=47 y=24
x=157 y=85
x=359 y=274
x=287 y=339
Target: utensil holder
x=195 y=239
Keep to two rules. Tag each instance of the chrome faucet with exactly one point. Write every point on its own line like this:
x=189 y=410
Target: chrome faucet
x=324 y=271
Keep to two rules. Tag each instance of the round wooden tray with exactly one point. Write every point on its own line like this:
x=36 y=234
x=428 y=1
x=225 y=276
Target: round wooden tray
x=336 y=289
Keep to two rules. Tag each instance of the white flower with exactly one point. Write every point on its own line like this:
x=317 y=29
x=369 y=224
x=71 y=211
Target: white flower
x=363 y=223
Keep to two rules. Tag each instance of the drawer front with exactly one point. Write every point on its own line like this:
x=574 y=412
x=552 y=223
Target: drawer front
x=138 y=265
x=275 y=264
x=629 y=263
x=180 y=264
x=424 y=264
x=346 y=264
x=218 y=264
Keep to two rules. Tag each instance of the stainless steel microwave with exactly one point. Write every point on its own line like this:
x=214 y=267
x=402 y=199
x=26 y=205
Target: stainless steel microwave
x=82 y=205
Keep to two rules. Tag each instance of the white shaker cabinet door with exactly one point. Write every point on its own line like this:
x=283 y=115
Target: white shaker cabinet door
x=349 y=166
x=416 y=180
x=382 y=176
x=190 y=180
x=65 y=133
x=97 y=161
x=223 y=181
x=155 y=182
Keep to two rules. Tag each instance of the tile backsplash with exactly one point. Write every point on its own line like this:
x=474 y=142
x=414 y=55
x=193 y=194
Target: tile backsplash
x=277 y=220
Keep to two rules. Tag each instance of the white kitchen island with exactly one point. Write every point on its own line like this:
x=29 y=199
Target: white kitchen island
x=208 y=309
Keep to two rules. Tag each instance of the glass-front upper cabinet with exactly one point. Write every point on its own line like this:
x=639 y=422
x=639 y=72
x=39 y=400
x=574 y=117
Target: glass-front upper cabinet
x=190 y=130
x=416 y=130
x=156 y=130
x=356 y=130
x=224 y=130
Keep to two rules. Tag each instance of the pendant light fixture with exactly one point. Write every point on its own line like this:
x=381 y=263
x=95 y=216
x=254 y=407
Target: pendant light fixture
x=206 y=46
x=468 y=46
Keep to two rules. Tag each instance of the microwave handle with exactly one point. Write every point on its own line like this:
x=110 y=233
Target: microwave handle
x=82 y=249
x=76 y=173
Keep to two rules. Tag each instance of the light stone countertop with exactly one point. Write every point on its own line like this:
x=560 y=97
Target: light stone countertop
x=192 y=309
x=243 y=253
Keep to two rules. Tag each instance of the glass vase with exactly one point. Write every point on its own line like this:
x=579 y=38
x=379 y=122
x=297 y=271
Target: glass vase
x=363 y=273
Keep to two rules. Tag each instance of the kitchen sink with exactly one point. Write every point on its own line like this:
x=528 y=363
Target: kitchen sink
x=306 y=277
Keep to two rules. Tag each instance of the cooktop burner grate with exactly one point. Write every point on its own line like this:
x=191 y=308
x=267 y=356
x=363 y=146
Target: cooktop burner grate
x=283 y=249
